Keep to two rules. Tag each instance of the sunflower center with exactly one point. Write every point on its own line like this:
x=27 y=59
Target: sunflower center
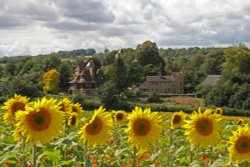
x=176 y=119
x=218 y=111
x=240 y=122
x=204 y=126
x=243 y=144
x=17 y=106
x=94 y=127
x=73 y=121
x=119 y=116
x=63 y=107
x=141 y=127
x=39 y=121
x=74 y=109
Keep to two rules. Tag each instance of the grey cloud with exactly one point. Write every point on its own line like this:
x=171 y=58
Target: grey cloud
x=15 y=16
x=86 y=11
x=181 y=41
x=11 y=21
x=114 y=31
x=70 y=26
x=121 y=31
x=40 y=12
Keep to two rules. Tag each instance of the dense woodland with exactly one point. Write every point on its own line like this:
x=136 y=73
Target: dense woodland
x=24 y=74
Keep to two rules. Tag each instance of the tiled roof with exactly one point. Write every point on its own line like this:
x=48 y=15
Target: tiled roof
x=159 y=78
x=211 y=80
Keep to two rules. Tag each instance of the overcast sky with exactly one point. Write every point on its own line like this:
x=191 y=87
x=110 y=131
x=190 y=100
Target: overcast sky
x=39 y=27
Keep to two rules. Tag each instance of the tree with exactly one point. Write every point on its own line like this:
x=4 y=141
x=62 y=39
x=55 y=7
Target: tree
x=237 y=60
x=65 y=69
x=51 y=61
x=108 y=94
x=26 y=85
x=118 y=74
x=135 y=74
x=213 y=62
x=147 y=53
x=51 y=80
x=10 y=66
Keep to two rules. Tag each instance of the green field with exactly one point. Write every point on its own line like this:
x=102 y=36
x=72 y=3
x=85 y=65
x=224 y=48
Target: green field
x=172 y=148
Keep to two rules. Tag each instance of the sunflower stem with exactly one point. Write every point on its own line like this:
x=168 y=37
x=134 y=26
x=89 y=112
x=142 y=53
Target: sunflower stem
x=65 y=129
x=86 y=159
x=24 y=153
x=169 y=147
x=34 y=155
x=191 y=149
x=134 y=155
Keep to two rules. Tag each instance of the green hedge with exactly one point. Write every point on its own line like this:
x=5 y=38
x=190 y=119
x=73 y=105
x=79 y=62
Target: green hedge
x=3 y=99
x=235 y=112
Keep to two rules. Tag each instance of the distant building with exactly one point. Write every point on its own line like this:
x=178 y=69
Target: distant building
x=211 y=80
x=87 y=78
x=173 y=84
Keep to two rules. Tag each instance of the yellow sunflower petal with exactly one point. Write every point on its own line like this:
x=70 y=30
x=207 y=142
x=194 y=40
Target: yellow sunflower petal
x=98 y=129
x=40 y=122
x=178 y=119
x=65 y=105
x=239 y=149
x=203 y=129
x=120 y=117
x=72 y=121
x=77 y=108
x=12 y=105
x=144 y=127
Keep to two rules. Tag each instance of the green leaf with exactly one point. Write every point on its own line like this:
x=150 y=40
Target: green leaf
x=68 y=162
x=53 y=156
x=118 y=152
x=246 y=164
x=179 y=150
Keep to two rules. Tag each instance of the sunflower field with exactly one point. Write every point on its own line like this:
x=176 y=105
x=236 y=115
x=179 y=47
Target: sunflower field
x=49 y=132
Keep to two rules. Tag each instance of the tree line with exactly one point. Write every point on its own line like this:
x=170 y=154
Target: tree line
x=128 y=67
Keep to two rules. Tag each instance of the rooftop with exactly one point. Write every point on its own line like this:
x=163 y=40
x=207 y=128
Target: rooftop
x=211 y=80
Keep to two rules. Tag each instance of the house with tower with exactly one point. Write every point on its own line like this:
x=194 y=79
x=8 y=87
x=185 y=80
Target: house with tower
x=87 y=78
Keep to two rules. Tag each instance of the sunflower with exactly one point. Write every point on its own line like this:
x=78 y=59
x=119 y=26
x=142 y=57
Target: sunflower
x=241 y=122
x=178 y=119
x=72 y=121
x=203 y=128
x=40 y=122
x=12 y=105
x=76 y=107
x=143 y=127
x=65 y=105
x=120 y=117
x=98 y=129
x=239 y=149
x=219 y=111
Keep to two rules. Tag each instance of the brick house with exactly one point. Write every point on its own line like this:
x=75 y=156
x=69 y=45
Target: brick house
x=172 y=84
x=87 y=79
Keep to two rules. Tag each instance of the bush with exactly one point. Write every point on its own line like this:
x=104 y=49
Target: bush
x=2 y=100
x=235 y=112
x=87 y=102
x=246 y=105
x=154 y=98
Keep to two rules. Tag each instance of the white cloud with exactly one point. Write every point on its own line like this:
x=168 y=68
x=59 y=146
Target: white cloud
x=34 y=27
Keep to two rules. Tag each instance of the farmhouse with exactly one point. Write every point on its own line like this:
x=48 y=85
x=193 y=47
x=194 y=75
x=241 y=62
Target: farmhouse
x=87 y=78
x=172 y=84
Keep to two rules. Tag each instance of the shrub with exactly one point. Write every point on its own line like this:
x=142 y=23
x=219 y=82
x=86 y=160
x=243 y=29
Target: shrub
x=154 y=98
x=87 y=102
x=2 y=100
x=246 y=105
